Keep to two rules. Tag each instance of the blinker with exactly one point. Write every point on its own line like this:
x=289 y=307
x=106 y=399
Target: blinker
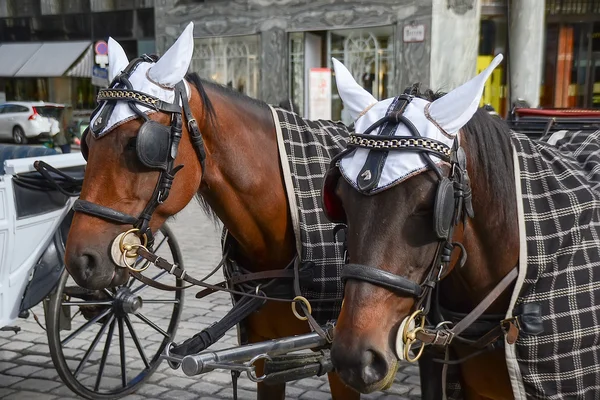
x=332 y=205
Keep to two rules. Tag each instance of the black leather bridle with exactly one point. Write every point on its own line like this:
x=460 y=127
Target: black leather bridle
x=452 y=203
x=157 y=145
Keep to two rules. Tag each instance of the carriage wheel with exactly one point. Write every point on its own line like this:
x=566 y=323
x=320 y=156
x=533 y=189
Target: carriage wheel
x=106 y=343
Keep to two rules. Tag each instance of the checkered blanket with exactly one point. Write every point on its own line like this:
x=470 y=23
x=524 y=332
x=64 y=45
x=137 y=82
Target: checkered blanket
x=559 y=223
x=305 y=149
x=560 y=191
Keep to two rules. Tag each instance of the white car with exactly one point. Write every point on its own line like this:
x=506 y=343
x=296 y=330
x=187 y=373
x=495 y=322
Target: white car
x=23 y=121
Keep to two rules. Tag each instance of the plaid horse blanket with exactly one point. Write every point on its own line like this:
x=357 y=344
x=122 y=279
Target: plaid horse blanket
x=305 y=150
x=559 y=219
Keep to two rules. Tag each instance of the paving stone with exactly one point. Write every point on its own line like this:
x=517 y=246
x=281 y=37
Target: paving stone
x=399 y=388
x=7 y=380
x=176 y=382
x=227 y=393
x=16 y=346
x=35 y=359
x=23 y=370
x=27 y=395
x=315 y=395
x=47 y=373
x=206 y=387
x=411 y=379
x=150 y=389
x=4 y=365
x=41 y=385
x=178 y=395
x=310 y=383
x=6 y=355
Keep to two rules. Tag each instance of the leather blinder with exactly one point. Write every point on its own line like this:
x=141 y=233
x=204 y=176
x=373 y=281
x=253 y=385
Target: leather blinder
x=152 y=145
x=443 y=208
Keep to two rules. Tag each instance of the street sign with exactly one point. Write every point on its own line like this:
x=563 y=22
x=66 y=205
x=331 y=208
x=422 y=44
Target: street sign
x=101 y=47
x=99 y=71
x=99 y=76
x=413 y=33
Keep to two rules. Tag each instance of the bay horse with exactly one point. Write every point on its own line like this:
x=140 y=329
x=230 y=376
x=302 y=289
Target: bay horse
x=405 y=217
x=237 y=174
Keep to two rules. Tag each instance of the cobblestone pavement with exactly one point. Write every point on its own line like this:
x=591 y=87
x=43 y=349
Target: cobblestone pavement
x=27 y=372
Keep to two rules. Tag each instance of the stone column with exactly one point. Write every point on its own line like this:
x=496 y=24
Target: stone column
x=526 y=45
x=273 y=64
x=454 y=42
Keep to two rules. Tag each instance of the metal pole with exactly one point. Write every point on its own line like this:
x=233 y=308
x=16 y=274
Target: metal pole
x=200 y=363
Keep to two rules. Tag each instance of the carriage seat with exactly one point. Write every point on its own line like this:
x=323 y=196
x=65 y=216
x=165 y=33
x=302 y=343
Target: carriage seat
x=11 y=152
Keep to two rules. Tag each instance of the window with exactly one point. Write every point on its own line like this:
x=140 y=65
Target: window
x=231 y=61
x=369 y=56
x=145 y=23
x=117 y=24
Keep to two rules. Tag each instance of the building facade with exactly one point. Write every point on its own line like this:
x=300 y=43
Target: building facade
x=267 y=48
x=47 y=47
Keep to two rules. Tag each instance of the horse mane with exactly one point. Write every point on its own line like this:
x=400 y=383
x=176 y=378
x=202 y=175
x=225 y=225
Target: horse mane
x=488 y=137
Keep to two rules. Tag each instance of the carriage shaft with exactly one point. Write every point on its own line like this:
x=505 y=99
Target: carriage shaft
x=200 y=363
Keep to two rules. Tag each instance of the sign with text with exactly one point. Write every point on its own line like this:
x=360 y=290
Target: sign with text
x=413 y=33
x=319 y=92
x=99 y=76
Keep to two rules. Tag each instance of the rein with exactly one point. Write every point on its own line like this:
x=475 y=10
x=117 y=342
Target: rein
x=158 y=139
x=453 y=204
x=156 y=133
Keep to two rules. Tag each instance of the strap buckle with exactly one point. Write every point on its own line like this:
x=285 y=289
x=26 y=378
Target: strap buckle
x=189 y=124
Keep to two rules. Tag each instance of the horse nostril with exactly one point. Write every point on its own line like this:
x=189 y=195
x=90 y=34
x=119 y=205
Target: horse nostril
x=84 y=268
x=375 y=367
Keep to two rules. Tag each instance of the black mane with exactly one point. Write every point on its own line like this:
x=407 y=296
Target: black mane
x=490 y=149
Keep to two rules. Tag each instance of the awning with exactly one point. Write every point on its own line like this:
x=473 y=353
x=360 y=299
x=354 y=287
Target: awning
x=14 y=55
x=40 y=60
x=83 y=67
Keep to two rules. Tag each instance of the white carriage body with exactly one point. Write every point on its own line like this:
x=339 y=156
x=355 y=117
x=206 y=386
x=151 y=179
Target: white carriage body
x=23 y=240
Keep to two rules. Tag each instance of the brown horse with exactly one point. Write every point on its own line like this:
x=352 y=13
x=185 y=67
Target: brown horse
x=398 y=212
x=238 y=176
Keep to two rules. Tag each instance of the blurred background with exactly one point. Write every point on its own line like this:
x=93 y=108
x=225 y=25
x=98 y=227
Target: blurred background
x=54 y=51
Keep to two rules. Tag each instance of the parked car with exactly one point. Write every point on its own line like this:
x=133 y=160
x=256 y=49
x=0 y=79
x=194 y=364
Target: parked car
x=23 y=121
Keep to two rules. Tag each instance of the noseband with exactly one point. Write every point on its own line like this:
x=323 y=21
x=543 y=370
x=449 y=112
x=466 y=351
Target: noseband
x=156 y=144
x=452 y=202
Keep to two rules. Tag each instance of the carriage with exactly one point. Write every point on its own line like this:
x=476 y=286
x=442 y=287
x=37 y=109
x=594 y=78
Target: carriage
x=282 y=258
x=38 y=189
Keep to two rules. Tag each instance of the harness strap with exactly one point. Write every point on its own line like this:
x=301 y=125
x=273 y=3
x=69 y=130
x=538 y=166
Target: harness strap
x=393 y=282
x=207 y=337
x=106 y=213
x=194 y=131
x=314 y=325
x=182 y=274
x=443 y=337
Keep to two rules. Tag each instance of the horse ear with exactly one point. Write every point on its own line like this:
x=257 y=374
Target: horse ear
x=355 y=98
x=455 y=109
x=117 y=59
x=174 y=64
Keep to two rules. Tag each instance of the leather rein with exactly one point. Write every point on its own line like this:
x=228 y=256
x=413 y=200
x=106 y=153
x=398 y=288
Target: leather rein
x=441 y=335
x=141 y=223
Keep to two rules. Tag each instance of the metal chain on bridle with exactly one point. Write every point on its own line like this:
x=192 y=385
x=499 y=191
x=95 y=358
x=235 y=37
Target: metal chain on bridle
x=453 y=204
x=131 y=252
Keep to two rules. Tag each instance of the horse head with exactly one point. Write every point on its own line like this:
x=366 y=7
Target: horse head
x=403 y=189
x=140 y=138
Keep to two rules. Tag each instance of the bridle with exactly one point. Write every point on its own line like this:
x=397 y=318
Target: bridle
x=156 y=144
x=453 y=204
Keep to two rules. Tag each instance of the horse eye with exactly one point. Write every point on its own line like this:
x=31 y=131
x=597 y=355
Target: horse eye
x=131 y=144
